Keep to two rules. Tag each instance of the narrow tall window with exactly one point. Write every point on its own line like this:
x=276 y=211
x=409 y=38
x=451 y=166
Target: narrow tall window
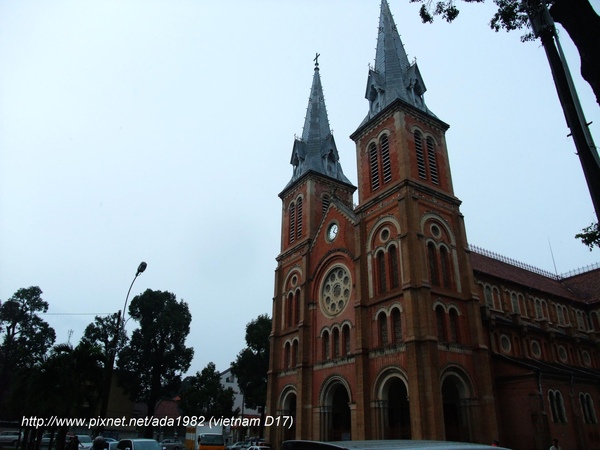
x=489 y=299
x=289 y=310
x=394 y=277
x=287 y=355
x=299 y=219
x=346 y=339
x=374 y=167
x=397 y=325
x=453 y=326
x=420 y=155
x=325 y=345
x=296 y=307
x=515 y=303
x=292 y=222
x=538 y=309
x=433 y=171
x=440 y=318
x=381 y=272
x=385 y=159
x=336 y=343
x=433 y=265
x=445 y=262
x=295 y=353
x=382 y=326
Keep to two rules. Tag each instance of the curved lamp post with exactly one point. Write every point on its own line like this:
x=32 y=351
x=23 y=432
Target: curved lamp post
x=112 y=352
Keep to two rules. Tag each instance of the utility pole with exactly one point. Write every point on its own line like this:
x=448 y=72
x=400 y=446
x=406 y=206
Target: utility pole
x=543 y=27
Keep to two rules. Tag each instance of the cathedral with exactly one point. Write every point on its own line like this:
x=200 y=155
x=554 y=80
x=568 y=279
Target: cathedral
x=387 y=324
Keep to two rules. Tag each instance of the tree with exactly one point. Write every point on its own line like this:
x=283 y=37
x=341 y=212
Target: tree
x=577 y=17
x=206 y=396
x=590 y=236
x=103 y=332
x=150 y=366
x=25 y=336
x=252 y=364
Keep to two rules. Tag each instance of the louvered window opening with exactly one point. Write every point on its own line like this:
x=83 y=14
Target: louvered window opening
x=385 y=159
x=299 y=218
x=433 y=172
x=292 y=222
x=374 y=167
x=326 y=201
x=420 y=156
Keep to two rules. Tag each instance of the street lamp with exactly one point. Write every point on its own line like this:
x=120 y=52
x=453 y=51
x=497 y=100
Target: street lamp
x=112 y=351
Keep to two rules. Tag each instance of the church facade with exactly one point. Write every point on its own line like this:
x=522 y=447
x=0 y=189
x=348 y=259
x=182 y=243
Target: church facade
x=387 y=324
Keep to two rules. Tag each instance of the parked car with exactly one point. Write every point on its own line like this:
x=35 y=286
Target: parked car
x=385 y=445
x=10 y=438
x=85 y=441
x=171 y=444
x=236 y=446
x=138 y=444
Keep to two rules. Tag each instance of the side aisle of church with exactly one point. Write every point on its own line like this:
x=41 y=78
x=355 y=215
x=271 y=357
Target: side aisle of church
x=386 y=324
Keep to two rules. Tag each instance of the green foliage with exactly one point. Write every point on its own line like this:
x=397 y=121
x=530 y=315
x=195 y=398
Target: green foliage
x=26 y=337
x=590 y=236
x=252 y=363
x=103 y=332
x=150 y=365
x=206 y=396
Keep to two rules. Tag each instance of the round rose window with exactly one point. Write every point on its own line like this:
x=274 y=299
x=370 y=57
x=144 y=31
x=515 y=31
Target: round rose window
x=335 y=292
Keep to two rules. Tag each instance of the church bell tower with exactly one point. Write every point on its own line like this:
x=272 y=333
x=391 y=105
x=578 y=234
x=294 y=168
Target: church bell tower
x=377 y=331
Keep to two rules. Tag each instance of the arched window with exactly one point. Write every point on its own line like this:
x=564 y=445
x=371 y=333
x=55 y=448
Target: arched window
x=396 y=326
x=326 y=352
x=374 y=167
x=433 y=171
x=289 y=313
x=433 y=264
x=420 y=155
x=385 y=159
x=382 y=282
x=587 y=408
x=296 y=308
x=382 y=327
x=539 y=314
x=454 y=334
x=346 y=340
x=515 y=303
x=299 y=218
x=292 y=214
x=287 y=356
x=557 y=407
x=295 y=353
x=440 y=317
x=445 y=263
x=489 y=298
x=336 y=343
x=393 y=257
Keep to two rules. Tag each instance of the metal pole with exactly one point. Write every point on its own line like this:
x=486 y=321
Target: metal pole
x=543 y=27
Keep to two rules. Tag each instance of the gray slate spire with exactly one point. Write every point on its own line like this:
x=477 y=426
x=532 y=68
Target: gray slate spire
x=316 y=150
x=393 y=76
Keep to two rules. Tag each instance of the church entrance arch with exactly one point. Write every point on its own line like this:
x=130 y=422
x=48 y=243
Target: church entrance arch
x=288 y=408
x=336 y=419
x=456 y=399
x=392 y=406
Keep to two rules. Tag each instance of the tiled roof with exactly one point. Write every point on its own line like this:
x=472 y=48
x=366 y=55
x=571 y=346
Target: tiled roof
x=582 y=288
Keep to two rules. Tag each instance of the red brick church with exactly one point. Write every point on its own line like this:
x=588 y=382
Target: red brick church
x=387 y=324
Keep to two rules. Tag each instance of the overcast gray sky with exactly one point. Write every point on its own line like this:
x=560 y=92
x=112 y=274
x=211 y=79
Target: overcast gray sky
x=162 y=131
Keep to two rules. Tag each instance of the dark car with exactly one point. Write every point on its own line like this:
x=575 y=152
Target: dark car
x=171 y=444
x=385 y=445
x=10 y=438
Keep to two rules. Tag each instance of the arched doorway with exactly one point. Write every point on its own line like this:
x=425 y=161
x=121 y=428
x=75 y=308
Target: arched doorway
x=341 y=424
x=455 y=399
x=398 y=410
x=289 y=409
